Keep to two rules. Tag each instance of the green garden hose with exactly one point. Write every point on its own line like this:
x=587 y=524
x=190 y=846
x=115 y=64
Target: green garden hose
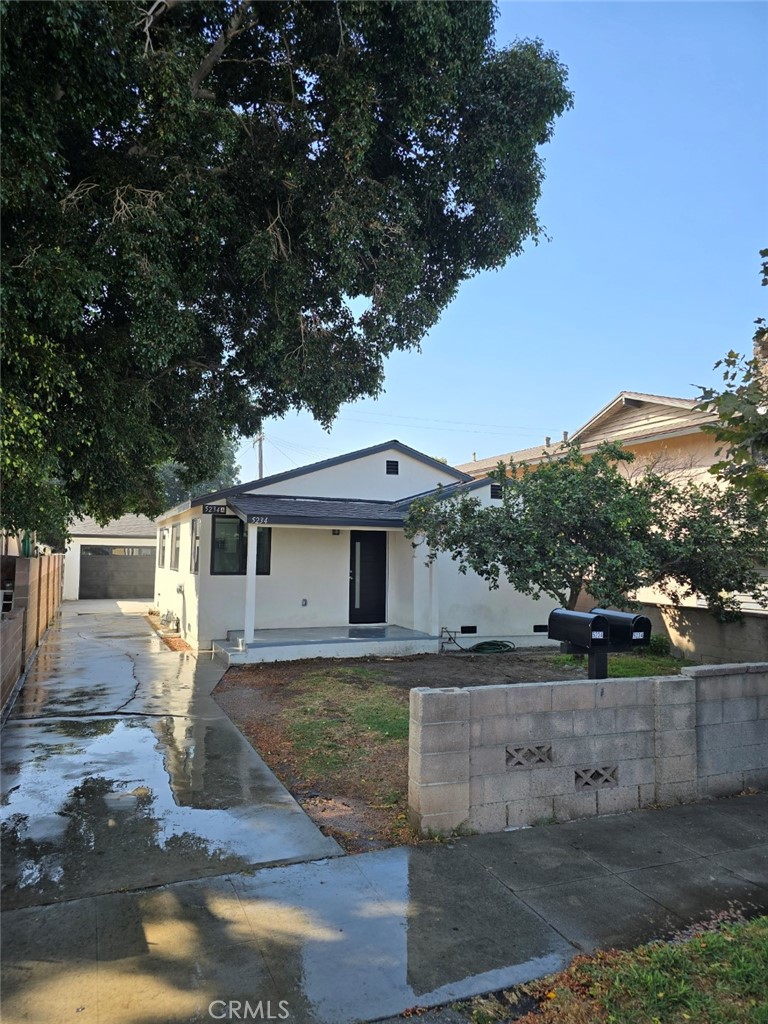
x=486 y=647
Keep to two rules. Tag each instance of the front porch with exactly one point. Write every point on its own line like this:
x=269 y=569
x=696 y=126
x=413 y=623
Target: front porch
x=323 y=642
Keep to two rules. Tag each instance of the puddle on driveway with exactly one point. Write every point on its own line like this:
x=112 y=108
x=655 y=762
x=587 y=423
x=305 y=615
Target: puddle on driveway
x=90 y=805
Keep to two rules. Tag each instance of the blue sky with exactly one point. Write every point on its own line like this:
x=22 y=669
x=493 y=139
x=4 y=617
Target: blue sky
x=655 y=202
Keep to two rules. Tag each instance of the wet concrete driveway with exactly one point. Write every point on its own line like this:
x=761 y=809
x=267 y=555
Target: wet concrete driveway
x=121 y=771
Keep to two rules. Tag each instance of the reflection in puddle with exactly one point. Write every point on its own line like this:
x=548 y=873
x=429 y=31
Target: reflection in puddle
x=139 y=799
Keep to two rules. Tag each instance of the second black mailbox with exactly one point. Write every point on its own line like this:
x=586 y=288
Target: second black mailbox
x=626 y=628
x=583 y=629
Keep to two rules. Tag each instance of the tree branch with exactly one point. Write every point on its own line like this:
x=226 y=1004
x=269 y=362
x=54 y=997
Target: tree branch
x=156 y=11
x=214 y=54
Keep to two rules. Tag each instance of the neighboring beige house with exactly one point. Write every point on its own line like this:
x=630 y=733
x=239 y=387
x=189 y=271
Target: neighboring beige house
x=112 y=561
x=665 y=434
x=662 y=432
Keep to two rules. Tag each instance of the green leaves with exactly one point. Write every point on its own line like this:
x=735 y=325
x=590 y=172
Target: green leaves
x=191 y=196
x=742 y=413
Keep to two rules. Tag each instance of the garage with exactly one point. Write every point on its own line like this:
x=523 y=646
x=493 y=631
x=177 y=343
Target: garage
x=113 y=561
x=117 y=572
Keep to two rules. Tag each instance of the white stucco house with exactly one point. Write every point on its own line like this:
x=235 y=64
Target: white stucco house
x=314 y=562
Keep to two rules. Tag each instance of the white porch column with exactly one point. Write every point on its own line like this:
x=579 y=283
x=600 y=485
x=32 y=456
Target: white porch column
x=250 y=583
x=434 y=600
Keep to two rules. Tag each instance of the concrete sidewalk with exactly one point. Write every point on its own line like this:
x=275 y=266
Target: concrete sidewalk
x=360 y=938
x=138 y=826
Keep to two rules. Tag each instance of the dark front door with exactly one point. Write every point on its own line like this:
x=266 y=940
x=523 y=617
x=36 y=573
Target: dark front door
x=367 y=576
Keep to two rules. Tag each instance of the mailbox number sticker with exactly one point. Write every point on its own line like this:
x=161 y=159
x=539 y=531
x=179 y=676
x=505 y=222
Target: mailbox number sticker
x=597 y=635
x=638 y=636
x=214 y=510
x=258 y=519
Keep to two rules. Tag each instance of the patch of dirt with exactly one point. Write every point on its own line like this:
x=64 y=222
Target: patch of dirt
x=363 y=805
x=526 y=665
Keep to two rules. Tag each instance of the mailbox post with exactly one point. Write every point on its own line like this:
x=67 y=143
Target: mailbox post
x=597 y=634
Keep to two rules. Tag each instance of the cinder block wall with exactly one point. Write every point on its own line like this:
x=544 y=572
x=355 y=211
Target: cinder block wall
x=492 y=757
x=731 y=727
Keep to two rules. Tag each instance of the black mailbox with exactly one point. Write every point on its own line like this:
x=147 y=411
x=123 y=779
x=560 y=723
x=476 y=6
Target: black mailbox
x=626 y=628
x=582 y=629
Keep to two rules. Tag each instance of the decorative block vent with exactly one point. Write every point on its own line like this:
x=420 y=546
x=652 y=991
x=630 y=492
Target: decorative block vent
x=529 y=757
x=597 y=778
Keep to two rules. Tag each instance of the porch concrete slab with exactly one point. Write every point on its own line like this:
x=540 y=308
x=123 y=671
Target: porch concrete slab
x=621 y=842
x=346 y=641
x=706 y=829
x=685 y=888
x=595 y=913
x=532 y=857
x=751 y=864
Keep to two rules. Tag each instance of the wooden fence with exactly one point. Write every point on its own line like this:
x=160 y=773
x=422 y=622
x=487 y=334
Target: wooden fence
x=37 y=586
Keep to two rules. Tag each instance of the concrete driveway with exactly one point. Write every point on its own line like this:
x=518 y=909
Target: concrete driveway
x=121 y=771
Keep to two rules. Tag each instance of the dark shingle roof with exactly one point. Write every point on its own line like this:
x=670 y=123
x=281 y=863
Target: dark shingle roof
x=286 y=509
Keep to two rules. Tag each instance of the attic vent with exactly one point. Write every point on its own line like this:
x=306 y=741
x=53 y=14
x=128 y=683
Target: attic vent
x=495 y=490
x=393 y=467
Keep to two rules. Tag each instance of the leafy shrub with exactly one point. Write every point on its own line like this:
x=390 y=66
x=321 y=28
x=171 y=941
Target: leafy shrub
x=660 y=644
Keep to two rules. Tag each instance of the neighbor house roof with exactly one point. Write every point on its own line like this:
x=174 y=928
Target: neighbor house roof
x=338 y=460
x=694 y=419
x=638 y=398
x=125 y=526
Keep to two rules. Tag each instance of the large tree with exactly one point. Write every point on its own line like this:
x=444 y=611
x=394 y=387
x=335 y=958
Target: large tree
x=742 y=412
x=578 y=523
x=194 y=194
x=179 y=487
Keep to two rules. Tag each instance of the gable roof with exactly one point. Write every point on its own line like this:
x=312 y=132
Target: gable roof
x=338 y=460
x=625 y=399
x=125 y=526
x=292 y=509
x=636 y=399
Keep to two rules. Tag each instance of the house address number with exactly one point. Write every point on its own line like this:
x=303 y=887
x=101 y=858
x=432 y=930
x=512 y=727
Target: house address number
x=258 y=519
x=214 y=510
